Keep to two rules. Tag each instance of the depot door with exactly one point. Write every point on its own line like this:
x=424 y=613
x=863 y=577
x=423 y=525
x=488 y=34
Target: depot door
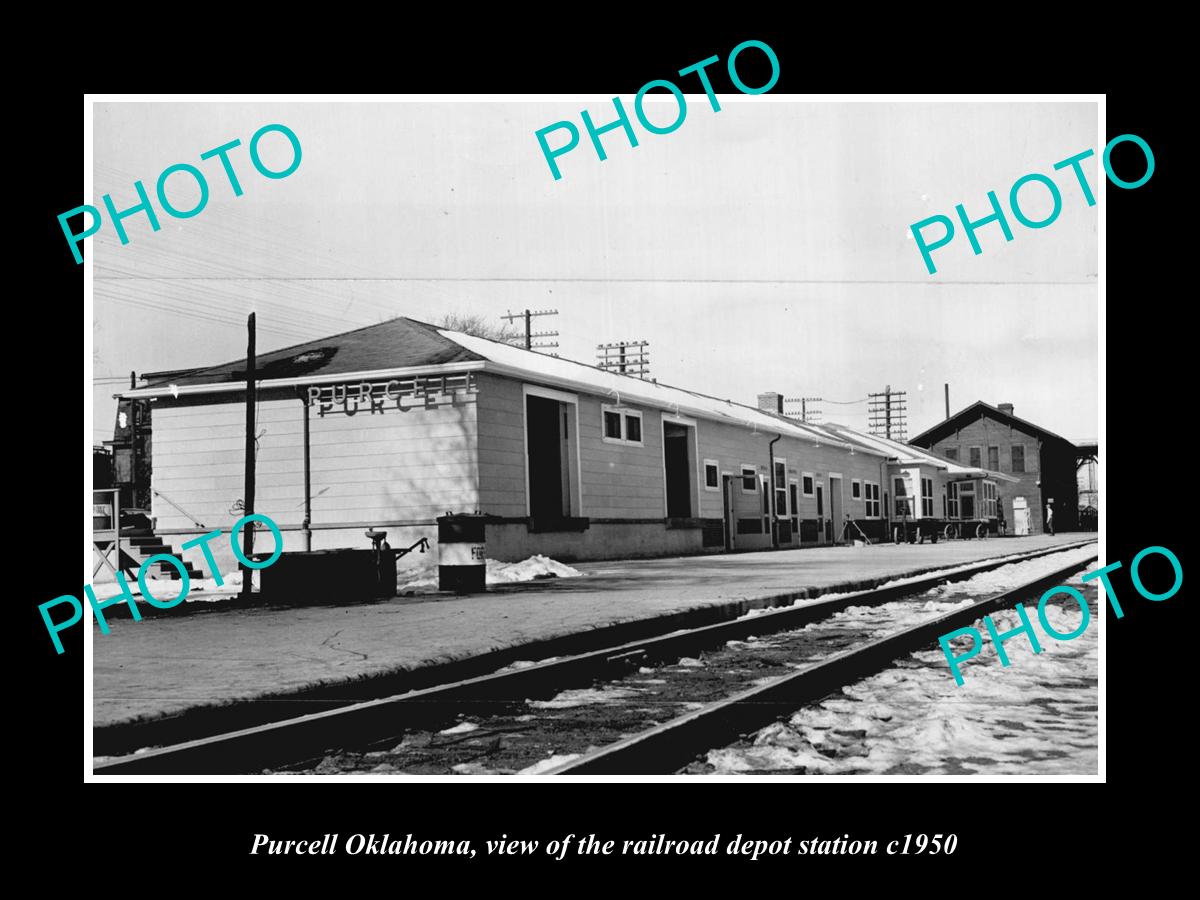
x=835 y=508
x=1020 y=516
x=730 y=523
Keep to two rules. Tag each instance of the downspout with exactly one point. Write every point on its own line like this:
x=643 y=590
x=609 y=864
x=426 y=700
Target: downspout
x=771 y=504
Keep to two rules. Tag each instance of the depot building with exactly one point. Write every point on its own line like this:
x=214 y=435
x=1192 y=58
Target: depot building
x=392 y=425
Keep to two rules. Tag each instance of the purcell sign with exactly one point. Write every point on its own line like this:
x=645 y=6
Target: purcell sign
x=400 y=393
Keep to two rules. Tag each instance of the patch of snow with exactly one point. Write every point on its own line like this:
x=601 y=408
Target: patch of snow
x=582 y=697
x=1035 y=717
x=460 y=728
x=535 y=568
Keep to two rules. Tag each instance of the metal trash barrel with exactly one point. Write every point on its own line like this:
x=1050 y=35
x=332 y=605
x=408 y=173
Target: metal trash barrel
x=462 y=556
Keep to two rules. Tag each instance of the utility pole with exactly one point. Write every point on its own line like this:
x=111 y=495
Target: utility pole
x=947 y=399
x=625 y=357
x=886 y=414
x=530 y=335
x=808 y=415
x=248 y=505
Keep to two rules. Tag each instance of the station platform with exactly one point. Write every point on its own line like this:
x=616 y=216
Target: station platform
x=171 y=668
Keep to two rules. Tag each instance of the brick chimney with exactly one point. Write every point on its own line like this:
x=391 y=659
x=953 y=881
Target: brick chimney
x=1006 y=408
x=771 y=402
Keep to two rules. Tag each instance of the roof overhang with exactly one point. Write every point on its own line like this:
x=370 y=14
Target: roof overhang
x=230 y=387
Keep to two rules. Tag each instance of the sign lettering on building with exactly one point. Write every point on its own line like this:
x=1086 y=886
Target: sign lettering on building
x=402 y=394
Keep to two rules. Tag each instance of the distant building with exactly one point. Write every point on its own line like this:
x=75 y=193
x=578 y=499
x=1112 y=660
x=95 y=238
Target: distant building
x=1043 y=463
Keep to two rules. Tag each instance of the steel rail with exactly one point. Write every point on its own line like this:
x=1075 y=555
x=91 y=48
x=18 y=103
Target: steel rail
x=291 y=741
x=669 y=747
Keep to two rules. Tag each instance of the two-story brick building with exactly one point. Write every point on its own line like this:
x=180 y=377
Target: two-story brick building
x=1042 y=462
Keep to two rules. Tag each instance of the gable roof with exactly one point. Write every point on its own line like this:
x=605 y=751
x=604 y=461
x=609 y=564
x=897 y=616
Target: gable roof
x=975 y=411
x=377 y=351
x=402 y=345
x=395 y=344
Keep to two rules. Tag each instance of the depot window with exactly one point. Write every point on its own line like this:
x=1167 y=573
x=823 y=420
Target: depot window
x=976 y=457
x=622 y=426
x=712 y=475
x=781 y=496
x=749 y=480
x=855 y=490
x=927 y=496
x=1018 y=458
x=871 y=499
x=806 y=484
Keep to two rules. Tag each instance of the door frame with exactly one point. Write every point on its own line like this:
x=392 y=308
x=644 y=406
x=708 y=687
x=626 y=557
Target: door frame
x=832 y=516
x=729 y=517
x=576 y=484
x=819 y=493
x=698 y=480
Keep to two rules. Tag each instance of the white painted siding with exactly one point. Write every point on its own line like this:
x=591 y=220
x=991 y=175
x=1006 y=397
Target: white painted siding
x=390 y=467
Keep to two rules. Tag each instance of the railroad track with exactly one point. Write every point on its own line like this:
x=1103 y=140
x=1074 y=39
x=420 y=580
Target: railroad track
x=780 y=665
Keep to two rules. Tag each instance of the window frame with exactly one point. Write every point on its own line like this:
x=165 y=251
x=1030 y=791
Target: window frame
x=871 y=500
x=856 y=492
x=778 y=463
x=926 y=499
x=1024 y=461
x=971 y=457
x=990 y=448
x=716 y=467
x=812 y=484
x=753 y=470
x=624 y=413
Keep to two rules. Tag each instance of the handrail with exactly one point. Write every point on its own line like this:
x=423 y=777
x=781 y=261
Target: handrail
x=159 y=493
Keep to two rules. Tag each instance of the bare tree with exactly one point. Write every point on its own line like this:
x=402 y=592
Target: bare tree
x=479 y=326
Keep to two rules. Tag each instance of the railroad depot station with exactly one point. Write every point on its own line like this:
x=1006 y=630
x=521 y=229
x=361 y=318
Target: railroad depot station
x=390 y=426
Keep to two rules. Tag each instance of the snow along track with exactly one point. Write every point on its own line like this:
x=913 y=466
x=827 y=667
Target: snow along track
x=444 y=727
x=678 y=743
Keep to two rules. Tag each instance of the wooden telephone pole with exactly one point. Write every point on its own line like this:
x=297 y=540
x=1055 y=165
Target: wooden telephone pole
x=248 y=506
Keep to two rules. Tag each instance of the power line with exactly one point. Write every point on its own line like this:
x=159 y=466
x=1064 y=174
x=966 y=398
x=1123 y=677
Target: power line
x=482 y=278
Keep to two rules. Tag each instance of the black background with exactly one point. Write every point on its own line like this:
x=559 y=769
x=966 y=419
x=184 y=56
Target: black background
x=202 y=833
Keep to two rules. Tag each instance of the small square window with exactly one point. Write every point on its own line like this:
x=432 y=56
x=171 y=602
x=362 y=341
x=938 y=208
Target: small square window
x=633 y=428
x=612 y=425
x=749 y=480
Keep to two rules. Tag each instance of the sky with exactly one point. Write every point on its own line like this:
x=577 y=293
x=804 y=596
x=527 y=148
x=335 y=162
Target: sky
x=765 y=247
